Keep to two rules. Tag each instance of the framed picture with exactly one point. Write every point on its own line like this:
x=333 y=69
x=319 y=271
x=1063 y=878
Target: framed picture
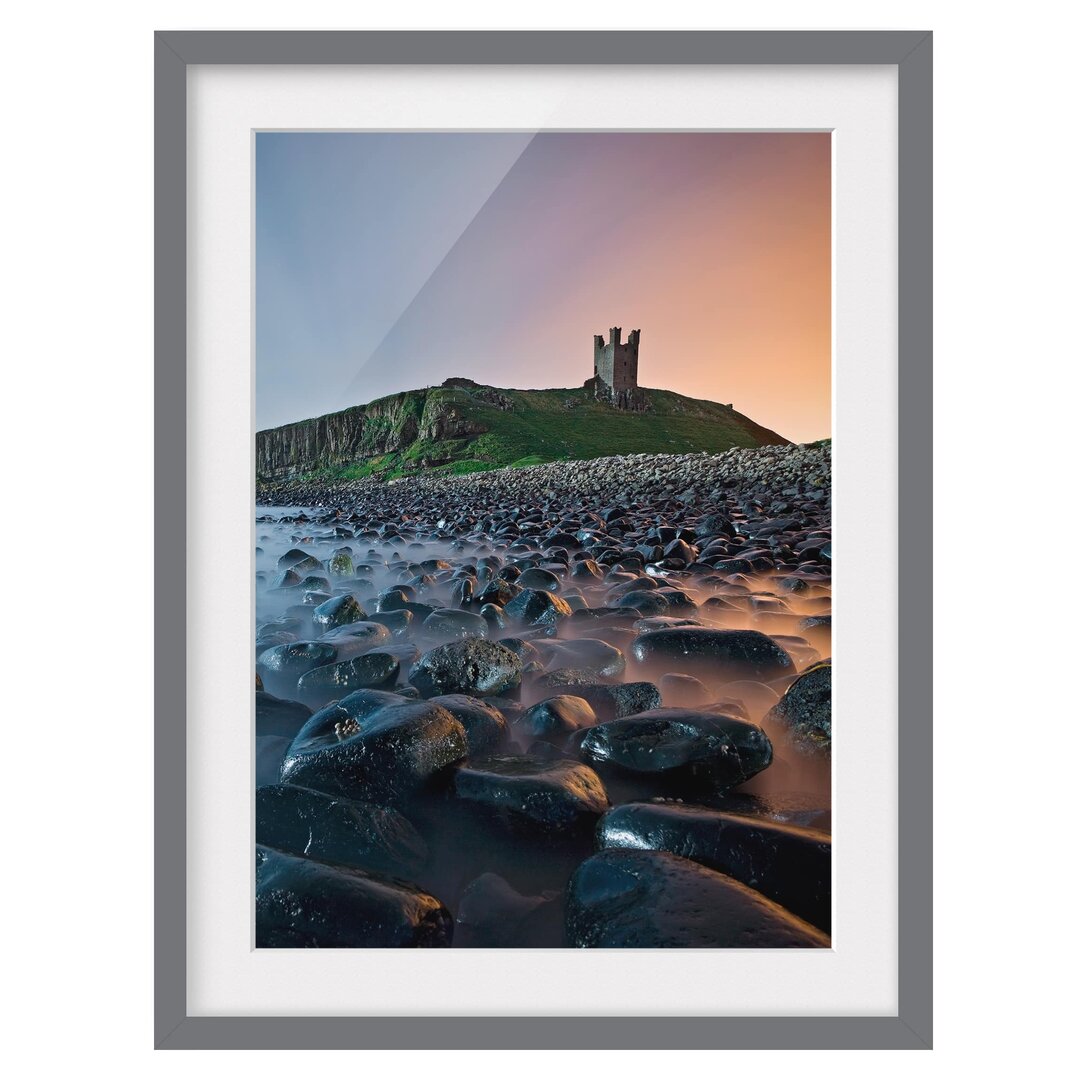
x=508 y=387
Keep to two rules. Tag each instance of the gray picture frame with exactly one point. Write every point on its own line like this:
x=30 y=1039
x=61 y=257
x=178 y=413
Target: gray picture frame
x=911 y=52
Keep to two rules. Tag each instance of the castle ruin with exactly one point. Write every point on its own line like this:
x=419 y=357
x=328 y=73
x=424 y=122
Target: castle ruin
x=615 y=370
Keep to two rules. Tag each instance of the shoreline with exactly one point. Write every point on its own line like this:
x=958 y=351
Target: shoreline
x=798 y=468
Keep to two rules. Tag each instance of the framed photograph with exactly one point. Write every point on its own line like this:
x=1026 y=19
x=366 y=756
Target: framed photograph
x=512 y=391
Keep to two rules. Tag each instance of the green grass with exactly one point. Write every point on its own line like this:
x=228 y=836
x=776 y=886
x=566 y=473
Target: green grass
x=540 y=426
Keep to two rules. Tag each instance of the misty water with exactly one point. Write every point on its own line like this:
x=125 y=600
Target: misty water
x=501 y=876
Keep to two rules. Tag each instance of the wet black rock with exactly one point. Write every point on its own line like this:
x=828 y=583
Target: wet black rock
x=277 y=716
x=809 y=809
x=526 y=651
x=499 y=592
x=364 y=672
x=337 y=611
x=537 y=607
x=644 y=602
x=537 y=578
x=786 y=863
x=619 y=699
x=281 y=666
x=476 y=666
x=805 y=710
x=286 y=579
x=485 y=726
x=271 y=638
x=652 y=899
x=449 y=624
x=397 y=622
x=559 y=716
x=700 y=750
x=326 y=726
x=728 y=654
x=353 y=638
x=393 y=599
x=385 y=757
x=552 y=795
x=307 y=822
x=494 y=616
x=586 y=570
x=303 y=903
x=294 y=557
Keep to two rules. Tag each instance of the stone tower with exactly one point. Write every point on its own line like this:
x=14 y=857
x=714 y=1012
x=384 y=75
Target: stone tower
x=615 y=370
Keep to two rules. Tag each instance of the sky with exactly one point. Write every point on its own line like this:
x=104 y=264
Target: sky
x=391 y=261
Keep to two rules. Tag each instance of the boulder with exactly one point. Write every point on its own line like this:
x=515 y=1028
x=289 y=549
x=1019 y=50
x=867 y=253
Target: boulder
x=485 y=726
x=616 y=700
x=726 y=654
x=685 y=747
x=476 y=666
x=303 y=903
x=787 y=863
x=332 y=681
x=312 y=823
x=537 y=607
x=281 y=667
x=385 y=757
x=449 y=624
x=652 y=899
x=522 y=790
x=805 y=710
x=559 y=716
x=338 y=611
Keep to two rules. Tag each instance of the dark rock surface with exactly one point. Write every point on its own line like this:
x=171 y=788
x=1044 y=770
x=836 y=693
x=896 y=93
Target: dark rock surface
x=724 y=654
x=549 y=794
x=477 y=667
x=332 y=681
x=698 y=750
x=610 y=702
x=559 y=716
x=338 y=611
x=281 y=667
x=389 y=755
x=311 y=823
x=537 y=607
x=485 y=726
x=805 y=710
x=652 y=899
x=302 y=903
x=787 y=863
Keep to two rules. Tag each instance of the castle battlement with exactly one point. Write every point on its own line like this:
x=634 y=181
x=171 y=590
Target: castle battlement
x=615 y=369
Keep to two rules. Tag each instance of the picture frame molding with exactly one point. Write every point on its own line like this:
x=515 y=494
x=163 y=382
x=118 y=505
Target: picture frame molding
x=911 y=52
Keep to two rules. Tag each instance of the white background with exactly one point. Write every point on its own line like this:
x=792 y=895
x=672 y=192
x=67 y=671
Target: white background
x=77 y=342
